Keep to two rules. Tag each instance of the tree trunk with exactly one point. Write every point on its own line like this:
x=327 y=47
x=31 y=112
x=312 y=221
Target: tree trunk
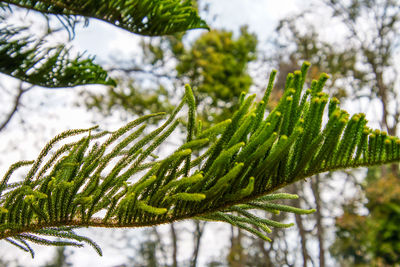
x=236 y=255
x=302 y=233
x=265 y=253
x=174 y=246
x=197 y=241
x=315 y=187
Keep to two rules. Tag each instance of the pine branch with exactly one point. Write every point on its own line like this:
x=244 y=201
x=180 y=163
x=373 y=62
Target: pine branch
x=145 y=17
x=27 y=59
x=110 y=179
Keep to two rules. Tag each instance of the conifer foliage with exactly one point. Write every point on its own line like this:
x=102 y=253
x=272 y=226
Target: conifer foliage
x=145 y=17
x=223 y=173
x=30 y=59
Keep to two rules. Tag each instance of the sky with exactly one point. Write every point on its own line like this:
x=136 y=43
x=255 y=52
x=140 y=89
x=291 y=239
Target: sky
x=261 y=16
x=49 y=112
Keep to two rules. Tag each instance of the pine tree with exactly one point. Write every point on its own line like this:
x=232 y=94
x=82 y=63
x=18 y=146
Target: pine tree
x=358 y=68
x=223 y=173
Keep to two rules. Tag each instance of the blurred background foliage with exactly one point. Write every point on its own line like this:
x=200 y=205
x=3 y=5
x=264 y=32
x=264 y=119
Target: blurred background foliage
x=215 y=65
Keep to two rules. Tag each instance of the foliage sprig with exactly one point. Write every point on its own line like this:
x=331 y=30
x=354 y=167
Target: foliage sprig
x=145 y=17
x=27 y=59
x=224 y=173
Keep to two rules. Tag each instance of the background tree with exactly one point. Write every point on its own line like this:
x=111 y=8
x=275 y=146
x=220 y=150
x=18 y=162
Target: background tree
x=215 y=64
x=363 y=70
x=60 y=258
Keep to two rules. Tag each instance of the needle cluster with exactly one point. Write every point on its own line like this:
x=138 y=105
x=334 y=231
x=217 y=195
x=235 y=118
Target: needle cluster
x=223 y=173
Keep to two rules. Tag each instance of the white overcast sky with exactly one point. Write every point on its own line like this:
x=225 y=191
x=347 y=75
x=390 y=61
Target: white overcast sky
x=261 y=16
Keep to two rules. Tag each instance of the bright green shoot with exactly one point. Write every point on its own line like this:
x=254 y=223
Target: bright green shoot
x=111 y=179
